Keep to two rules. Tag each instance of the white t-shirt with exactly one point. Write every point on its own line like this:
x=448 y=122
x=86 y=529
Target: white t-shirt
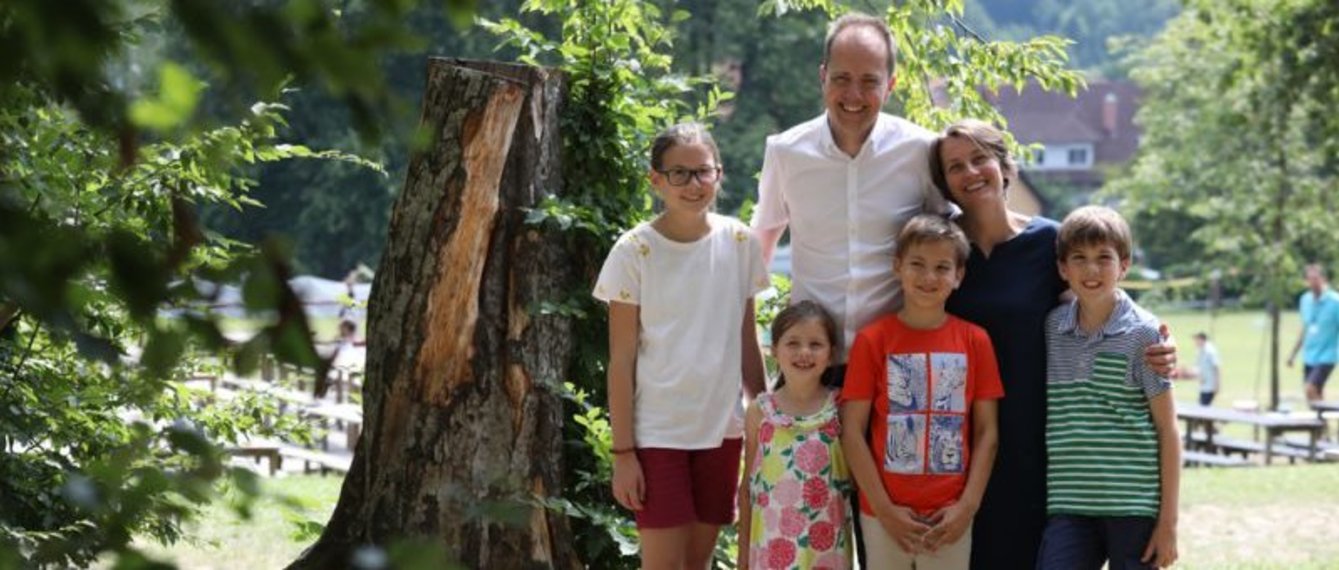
x=845 y=213
x=691 y=299
x=1208 y=365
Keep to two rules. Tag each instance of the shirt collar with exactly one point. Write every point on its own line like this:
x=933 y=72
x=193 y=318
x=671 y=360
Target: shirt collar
x=830 y=143
x=1117 y=323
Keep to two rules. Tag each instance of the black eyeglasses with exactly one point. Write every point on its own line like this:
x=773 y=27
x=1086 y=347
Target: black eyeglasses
x=681 y=176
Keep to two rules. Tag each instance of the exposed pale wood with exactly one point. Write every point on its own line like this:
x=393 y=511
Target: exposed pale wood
x=462 y=405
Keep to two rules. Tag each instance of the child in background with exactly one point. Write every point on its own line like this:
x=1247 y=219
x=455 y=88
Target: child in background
x=1208 y=368
x=1113 y=454
x=793 y=505
x=927 y=384
x=682 y=344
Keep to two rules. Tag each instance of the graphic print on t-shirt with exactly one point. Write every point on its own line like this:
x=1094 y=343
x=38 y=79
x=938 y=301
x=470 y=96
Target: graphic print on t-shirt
x=925 y=416
x=946 y=444
x=906 y=438
x=907 y=377
x=950 y=382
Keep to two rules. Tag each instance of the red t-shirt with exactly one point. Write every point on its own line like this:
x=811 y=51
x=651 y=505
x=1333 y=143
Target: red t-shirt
x=922 y=384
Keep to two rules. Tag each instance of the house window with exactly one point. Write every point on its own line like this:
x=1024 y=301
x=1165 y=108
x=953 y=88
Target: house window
x=1078 y=157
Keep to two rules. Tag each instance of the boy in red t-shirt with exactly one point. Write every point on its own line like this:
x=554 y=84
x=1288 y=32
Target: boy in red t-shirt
x=922 y=383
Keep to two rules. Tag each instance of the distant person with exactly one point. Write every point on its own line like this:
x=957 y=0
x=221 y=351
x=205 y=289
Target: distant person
x=1319 y=339
x=683 y=348
x=348 y=332
x=1208 y=368
x=348 y=349
x=918 y=418
x=1113 y=453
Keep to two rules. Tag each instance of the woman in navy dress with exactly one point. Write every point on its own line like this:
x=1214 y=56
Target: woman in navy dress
x=1011 y=283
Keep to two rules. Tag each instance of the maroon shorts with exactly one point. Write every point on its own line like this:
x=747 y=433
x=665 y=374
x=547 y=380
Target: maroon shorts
x=688 y=486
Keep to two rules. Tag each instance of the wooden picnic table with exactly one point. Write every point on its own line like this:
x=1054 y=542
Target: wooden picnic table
x=1203 y=419
x=1322 y=406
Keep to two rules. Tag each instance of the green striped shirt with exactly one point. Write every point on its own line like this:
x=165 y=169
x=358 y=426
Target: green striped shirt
x=1101 y=445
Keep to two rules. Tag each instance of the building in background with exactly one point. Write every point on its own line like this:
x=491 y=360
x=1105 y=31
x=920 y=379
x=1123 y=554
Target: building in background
x=1082 y=138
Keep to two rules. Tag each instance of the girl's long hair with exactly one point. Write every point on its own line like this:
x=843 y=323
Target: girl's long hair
x=794 y=315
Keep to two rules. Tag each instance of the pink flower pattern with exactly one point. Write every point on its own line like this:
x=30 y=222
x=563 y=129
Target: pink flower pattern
x=786 y=493
x=792 y=523
x=812 y=456
x=799 y=486
x=822 y=536
x=780 y=554
x=816 y=492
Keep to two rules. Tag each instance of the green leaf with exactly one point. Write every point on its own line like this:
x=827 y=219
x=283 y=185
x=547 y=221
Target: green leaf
x=178 y=94
x=162 y=352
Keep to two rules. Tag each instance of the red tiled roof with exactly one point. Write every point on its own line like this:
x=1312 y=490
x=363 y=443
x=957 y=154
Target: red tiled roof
x=1037 y=116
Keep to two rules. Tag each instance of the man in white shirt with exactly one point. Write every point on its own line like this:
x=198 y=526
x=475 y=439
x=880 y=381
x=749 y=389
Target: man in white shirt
x=846 y=182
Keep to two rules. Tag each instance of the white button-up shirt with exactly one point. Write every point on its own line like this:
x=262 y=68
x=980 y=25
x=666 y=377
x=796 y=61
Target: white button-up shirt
x=845 y=212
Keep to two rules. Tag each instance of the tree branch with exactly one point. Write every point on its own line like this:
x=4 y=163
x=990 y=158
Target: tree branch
x=962 y=25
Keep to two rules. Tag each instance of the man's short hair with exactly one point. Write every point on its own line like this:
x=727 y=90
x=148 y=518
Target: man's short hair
x=931 y=228
x=1094 y=225
x=854 y=20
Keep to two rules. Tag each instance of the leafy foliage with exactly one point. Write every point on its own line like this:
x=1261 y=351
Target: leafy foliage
x=95 y=248
x=1239 y=139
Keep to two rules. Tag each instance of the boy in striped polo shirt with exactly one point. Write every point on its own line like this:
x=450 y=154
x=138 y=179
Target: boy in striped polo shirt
x=1114 y=457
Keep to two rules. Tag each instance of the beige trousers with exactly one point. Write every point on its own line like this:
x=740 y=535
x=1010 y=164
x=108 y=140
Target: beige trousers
x=883 y=553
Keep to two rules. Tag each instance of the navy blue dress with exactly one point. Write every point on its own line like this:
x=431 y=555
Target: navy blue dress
x=1009 y=294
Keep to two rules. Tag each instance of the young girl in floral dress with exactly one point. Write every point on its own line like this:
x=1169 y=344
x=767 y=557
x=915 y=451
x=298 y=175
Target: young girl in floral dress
x=793 y=505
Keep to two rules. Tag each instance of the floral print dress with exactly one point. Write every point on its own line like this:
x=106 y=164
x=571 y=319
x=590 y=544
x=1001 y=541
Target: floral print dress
x=799 y=488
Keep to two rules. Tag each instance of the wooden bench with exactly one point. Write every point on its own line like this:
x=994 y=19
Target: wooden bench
x=326 y=462
x=1213 y=460
x=1325 y=451
x=257 y=450
x=1230 y=445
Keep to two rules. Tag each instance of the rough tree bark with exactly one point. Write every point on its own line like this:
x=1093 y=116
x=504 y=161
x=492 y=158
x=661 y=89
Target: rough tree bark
x=463 y=419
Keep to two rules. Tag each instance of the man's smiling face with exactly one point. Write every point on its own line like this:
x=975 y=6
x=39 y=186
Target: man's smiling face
x=856 y=82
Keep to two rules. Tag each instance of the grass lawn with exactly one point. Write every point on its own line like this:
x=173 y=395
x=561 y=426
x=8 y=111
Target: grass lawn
x=1273 y=517
x=222 y=540
x=1232 y=519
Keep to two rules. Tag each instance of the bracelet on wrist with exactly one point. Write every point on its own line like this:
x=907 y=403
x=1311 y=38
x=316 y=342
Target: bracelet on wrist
x=623 y=450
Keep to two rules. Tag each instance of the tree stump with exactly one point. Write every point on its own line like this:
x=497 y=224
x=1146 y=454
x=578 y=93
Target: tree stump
x=463 y=416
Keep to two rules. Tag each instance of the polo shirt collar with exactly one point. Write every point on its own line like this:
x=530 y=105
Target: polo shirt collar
x=1118 y=323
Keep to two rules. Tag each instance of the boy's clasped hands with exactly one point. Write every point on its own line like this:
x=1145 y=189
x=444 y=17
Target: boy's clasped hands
x=918 y=534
